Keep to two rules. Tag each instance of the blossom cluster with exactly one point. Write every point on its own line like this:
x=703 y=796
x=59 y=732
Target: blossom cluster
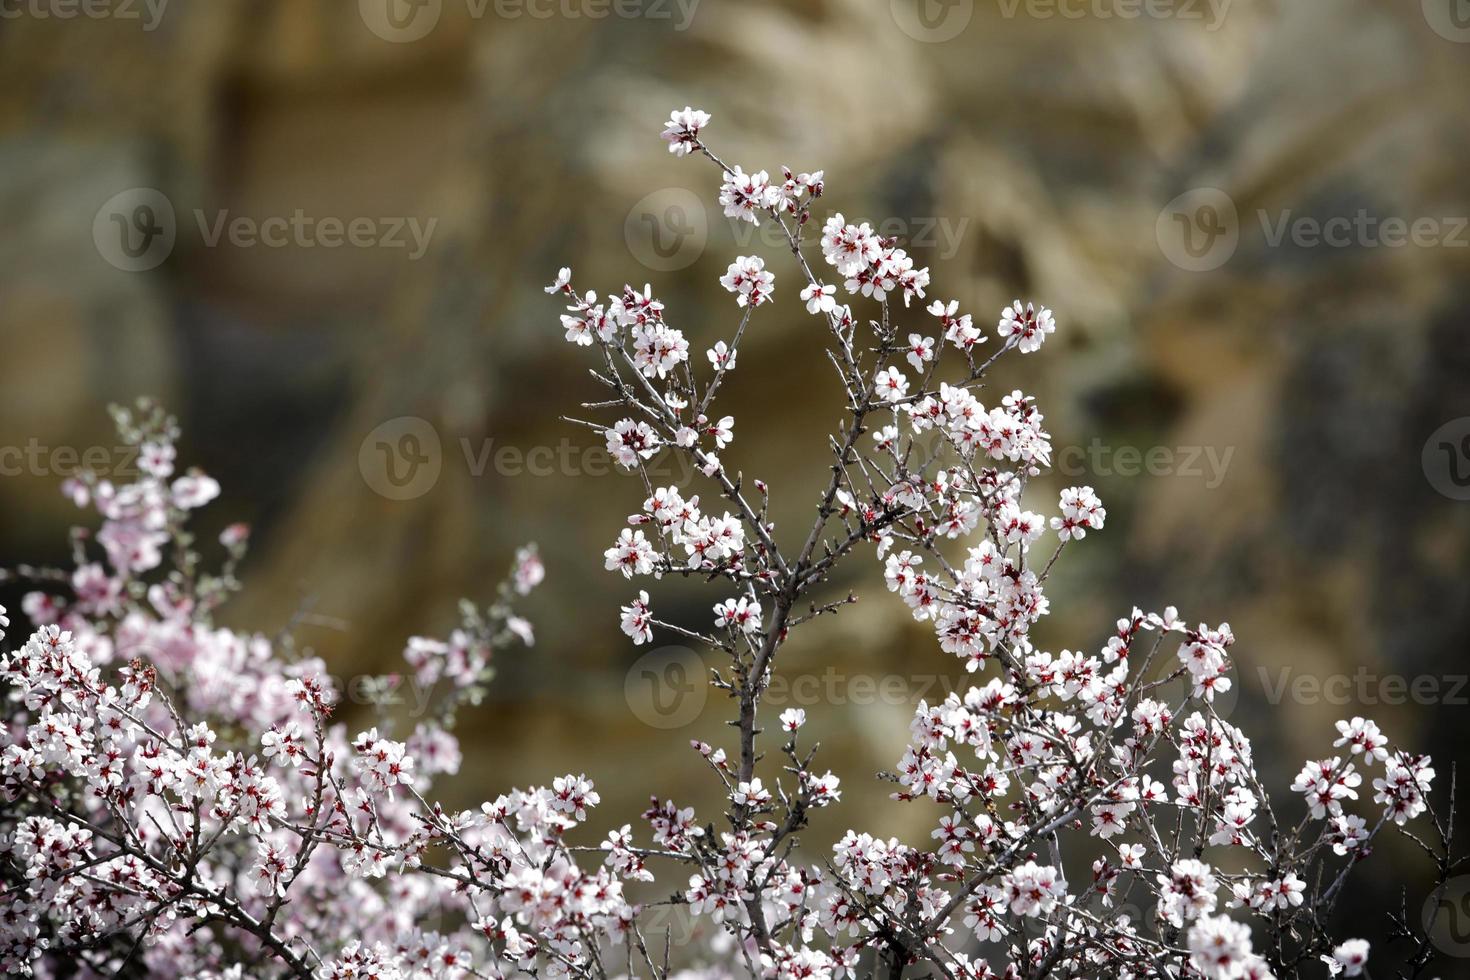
x=184 y=800
x=1055 y=760
x=179 y=799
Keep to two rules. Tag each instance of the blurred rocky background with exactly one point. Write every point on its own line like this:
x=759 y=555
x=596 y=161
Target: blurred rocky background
x=1273 y=418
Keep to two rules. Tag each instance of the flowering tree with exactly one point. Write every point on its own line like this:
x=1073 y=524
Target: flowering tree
x=176 y=799
x=178 y=796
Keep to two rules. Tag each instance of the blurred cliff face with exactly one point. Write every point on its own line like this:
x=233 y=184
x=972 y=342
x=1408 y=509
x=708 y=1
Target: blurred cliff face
x=319 y=232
